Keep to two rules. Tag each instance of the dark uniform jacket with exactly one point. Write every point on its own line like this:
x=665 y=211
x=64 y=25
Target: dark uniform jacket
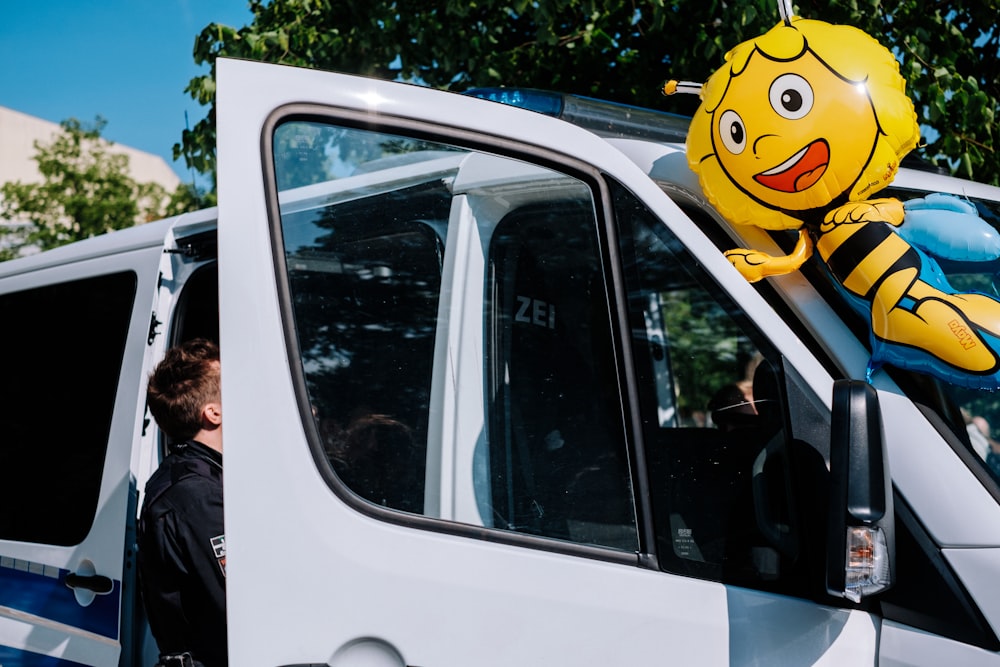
x=182 y=554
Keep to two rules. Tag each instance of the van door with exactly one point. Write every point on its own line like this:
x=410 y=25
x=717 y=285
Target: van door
x=465 y=372
x=71 y=400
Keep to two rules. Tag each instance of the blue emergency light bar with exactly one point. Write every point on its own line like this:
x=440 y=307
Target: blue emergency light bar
x=606 y=119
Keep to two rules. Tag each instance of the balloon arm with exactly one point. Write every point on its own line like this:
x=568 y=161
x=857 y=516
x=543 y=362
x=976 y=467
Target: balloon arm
x=755 y=265
x=870 y=210
x=949 y=227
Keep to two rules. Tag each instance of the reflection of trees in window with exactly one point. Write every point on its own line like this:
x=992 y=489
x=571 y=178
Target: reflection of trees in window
x=365 y=295
x=306 y=153
x=706 y=348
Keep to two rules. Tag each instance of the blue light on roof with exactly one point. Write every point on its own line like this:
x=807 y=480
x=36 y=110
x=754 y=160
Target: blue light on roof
x=542 y=101
x=606 y=119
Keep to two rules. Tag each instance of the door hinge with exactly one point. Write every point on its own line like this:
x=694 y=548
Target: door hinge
x=153 y=328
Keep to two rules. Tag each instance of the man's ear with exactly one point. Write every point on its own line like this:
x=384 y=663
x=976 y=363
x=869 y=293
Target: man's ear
x=211 y=414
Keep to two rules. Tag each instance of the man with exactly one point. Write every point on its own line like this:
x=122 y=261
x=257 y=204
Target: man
x=182 y=543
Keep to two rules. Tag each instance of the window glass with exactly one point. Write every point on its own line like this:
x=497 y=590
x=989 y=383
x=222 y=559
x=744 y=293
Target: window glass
x=197 y=312
x=57 y=397
x=365 y=291
x=724 y=472
x=558 y=459
x=453 y=333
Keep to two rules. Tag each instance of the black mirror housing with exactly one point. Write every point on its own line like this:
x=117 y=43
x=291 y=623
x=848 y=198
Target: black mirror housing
x=860 y=530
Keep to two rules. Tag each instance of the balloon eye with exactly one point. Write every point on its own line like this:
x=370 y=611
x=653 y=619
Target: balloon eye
x=791 y=96
x=733 y=132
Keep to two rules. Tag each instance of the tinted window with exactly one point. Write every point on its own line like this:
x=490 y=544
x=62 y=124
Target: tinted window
x=63 y=346
x=558 y=449
x=197 y=312
x=453 y=334
x=365 y=293
x=736 y=498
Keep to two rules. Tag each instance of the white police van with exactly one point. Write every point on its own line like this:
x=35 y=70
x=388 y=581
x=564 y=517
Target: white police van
x=468 y=353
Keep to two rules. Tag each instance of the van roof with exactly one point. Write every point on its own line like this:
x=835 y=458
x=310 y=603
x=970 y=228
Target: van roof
x=133 y=238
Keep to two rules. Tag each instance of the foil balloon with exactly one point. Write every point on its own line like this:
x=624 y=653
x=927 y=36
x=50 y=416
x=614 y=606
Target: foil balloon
x=797 y=131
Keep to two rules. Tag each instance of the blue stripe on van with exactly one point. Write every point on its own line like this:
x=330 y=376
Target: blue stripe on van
x=34 y=592
x=12 y=657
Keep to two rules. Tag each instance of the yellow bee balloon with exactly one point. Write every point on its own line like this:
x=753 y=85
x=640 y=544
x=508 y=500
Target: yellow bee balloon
x=797 y=130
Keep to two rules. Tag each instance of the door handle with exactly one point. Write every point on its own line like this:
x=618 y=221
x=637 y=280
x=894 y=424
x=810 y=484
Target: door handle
x=95 y=583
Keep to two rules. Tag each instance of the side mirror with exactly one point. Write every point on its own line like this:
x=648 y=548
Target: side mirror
x=860 y=532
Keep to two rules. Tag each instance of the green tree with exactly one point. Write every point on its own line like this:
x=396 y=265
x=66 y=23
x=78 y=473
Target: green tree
x=614 y=49
x=85 y=190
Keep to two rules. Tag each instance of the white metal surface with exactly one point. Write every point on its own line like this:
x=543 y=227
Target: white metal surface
x=903 y=646
x=102 y=550
x=979 y=570
x=434 y=598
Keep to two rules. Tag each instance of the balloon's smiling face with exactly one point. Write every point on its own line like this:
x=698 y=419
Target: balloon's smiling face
x=793 y=135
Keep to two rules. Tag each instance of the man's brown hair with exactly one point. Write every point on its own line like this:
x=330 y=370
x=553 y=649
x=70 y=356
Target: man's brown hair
x=181 y=385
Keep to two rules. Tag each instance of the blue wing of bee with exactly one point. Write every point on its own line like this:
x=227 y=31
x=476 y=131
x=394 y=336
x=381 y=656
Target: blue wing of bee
x=937 y=227
x=949 y=227
x=913 y=358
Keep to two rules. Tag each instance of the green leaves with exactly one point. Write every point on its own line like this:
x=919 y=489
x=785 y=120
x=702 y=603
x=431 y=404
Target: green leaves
x=85 y=191
x=949 y=52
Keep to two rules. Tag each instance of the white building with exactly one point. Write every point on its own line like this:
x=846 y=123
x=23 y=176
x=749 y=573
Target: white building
x=19 y=132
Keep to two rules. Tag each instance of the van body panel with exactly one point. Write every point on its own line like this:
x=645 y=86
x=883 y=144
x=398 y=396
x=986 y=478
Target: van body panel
x=959 y=512
x=904 y=646
x=39 y=613
x=978 y=569
x=134 y=238
x=358 y=578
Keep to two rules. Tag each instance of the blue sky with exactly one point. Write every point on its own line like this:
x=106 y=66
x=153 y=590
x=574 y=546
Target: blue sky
x=128 y=61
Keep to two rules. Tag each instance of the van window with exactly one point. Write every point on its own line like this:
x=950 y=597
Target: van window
x=197 y=311
x=735 y=497
x=363 y=222
x=57 y=397
x=365 y=294
x=558 y=458
x=452 y=333
x=400 y=253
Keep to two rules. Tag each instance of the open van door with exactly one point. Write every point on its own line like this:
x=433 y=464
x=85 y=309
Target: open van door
x=447 y=443
x=74 y=344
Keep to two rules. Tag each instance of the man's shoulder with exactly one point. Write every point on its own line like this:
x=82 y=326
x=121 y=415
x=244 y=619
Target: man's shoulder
x=180 y=480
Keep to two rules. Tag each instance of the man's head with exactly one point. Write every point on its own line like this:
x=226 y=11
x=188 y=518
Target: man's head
x=184 y=392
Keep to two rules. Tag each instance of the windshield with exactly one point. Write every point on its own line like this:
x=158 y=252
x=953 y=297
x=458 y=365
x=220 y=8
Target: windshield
x=969 y=419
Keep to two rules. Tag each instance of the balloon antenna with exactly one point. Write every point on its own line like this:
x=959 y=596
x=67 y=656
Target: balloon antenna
x=686 y=87
x=786 y=11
